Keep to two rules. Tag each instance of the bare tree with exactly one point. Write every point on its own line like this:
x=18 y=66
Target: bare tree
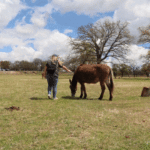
x=103 y=40
x=72 y=62
x=145 y=39
x=115 y=68
x=134 y=68
x=144 y=35
x=146 y=58
x=146 y=69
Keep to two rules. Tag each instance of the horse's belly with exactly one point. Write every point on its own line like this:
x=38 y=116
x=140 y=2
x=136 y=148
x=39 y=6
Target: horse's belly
x=93 y=81
x=88 y=79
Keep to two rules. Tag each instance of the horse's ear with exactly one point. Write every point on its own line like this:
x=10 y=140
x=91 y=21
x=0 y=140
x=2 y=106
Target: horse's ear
x=70 y=81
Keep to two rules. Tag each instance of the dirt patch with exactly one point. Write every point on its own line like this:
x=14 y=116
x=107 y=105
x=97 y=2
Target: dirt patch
x=13 y=108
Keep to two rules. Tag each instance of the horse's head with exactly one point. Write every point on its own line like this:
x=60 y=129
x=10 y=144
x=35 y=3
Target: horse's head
x=73 y=89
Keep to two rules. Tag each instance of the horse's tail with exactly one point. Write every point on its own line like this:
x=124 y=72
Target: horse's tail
x=111 y=81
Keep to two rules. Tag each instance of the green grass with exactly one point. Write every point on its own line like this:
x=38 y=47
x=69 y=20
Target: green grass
x=73 y=124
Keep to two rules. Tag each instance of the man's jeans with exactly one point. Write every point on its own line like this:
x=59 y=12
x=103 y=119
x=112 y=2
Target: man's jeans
x=52 y=84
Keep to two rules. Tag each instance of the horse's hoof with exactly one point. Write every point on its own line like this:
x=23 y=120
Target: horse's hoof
x=84 y=98
x=110 y=99
x=100 y=98
x=81 y=96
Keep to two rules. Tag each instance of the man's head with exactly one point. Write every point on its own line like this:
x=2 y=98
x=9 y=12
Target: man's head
x=54 y=57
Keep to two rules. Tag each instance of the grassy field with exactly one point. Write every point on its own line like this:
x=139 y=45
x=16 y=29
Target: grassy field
x=73 y=124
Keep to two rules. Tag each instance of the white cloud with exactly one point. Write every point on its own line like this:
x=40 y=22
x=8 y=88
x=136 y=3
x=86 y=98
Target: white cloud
x=42 y=14
x=132 y=10
x=135 y=53
x=25 y=30
x=22 y=53
x=8 y=38
x=133 y=56
x=68 y=31
x=128 y=8
x=45 y=43
x=88 y=7
x=137 y=13
x=39 y=19
x=102 y=20
x=8 y=11
x=50 y=42
x=140 y=8
x=33 y=1
x=49 y=8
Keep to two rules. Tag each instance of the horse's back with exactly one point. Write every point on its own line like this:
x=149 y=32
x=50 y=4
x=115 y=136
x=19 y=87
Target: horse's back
x=92 y=73
x=84 y=68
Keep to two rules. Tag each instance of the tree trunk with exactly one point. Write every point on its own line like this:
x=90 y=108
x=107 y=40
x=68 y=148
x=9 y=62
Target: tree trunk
x=147 y=74
x=98 y=60
x=115 y=74
x=128 y=75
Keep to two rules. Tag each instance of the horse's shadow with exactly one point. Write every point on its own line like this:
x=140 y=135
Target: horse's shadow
x=78 y=98
x=38 y=98
x=64 y=97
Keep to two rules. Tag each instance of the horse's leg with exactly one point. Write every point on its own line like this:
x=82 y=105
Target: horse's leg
x=103 y=89
x=110 y=90
x=84 y=89
x=81 y=91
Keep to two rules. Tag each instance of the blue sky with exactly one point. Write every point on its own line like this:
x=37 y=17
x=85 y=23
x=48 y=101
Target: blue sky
x=38 y=28
x=61 y=22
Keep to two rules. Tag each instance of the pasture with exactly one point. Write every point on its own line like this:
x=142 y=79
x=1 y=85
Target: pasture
x=73 y=124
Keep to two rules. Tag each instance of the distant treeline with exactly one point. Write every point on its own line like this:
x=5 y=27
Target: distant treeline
x=134 y=70
x=36 y=65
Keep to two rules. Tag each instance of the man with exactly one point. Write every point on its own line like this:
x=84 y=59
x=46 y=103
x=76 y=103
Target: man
x=52 y=75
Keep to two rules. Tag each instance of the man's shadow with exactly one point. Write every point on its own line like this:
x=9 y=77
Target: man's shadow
x=38 y=98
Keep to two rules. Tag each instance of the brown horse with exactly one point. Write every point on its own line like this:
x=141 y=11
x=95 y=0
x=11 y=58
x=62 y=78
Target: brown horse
x=92 y=74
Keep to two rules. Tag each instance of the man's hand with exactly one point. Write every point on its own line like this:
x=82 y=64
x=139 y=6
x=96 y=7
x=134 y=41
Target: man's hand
x=70 y=71
x=65 y=68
